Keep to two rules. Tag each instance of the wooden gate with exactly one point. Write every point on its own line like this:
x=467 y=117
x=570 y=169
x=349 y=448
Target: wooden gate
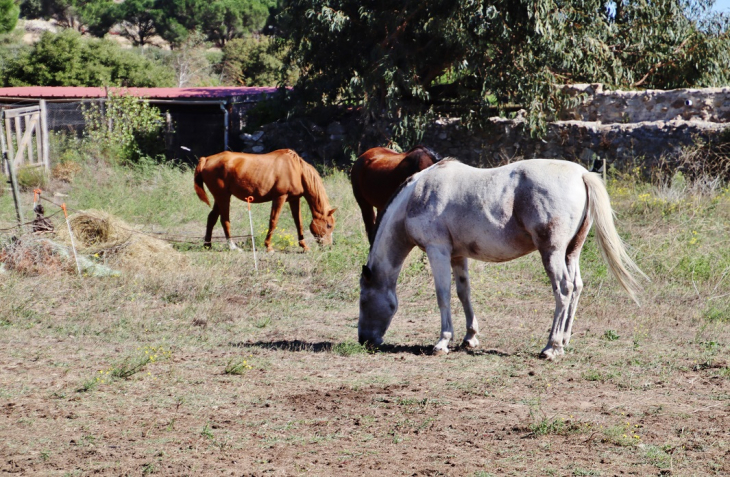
x=26 y=136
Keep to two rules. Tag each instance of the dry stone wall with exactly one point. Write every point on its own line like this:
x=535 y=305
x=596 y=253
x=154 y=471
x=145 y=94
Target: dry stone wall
x=622 y=127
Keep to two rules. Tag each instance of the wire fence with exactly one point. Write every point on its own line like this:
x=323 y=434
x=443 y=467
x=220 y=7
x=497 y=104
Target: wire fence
x=164 y=236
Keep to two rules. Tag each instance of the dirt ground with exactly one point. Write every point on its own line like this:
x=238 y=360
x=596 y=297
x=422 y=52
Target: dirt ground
x=308 y=406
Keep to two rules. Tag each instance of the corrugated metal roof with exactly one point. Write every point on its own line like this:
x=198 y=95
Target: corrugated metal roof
x=71 y=92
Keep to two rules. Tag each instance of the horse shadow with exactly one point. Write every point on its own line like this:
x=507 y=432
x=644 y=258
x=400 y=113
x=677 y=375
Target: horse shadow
x=327 y=347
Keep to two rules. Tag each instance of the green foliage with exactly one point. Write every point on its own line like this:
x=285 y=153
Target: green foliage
x=137 y=19
x=219 y=20
x=255 y=61
x=9 y=12
x=67 y=59
x=610 y=335
x=130 y=126
x=405 y=60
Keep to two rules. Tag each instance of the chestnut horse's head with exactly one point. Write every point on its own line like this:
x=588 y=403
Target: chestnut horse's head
x=323 y=226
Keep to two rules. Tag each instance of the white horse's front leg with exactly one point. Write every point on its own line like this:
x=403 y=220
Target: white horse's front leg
x=440 y=258
x=460 y=268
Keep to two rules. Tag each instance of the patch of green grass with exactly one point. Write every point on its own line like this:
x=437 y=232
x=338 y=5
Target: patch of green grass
x=349 y=348
x=611 y=335
x=595 y=375
x=717 y=313
x=580 y=472
x=547 y=426
x=659 y=456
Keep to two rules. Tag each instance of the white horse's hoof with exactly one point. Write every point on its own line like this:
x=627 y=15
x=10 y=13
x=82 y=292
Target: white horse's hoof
x=551 y=353
x=439 y=351
x=470 y=343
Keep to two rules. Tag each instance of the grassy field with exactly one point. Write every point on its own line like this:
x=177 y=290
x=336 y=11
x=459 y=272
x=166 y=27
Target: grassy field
x=199 y=365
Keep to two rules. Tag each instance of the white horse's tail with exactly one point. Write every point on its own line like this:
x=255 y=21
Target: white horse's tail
x=611 y=245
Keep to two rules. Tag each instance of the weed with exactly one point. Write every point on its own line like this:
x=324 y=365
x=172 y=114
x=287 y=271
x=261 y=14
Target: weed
x=595 y=375
x=32 y=177
x=548 y=426
x=580 y=472
x=263 y=322
x=349 y=348
x=206 y=432
x=148 y=469
x=610 y=335
x=237 y=366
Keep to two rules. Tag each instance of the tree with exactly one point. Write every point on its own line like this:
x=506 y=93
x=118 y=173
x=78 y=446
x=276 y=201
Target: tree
x=9 y=12
x=67 y=59
x=229 y=19
x=404 y=60
x=137 y=18
x=255 y=61
x=219 y=20
x=93 y=15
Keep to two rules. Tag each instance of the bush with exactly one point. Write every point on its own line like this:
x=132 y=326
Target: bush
x=67 y=59
x=32 y=177
x=127 y=127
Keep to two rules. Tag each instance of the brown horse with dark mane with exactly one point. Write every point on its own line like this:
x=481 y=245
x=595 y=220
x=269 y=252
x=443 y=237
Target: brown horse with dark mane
x=279 y=176
x=378 y=173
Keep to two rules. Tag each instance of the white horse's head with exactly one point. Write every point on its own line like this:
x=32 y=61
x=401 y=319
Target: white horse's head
x=378 y=304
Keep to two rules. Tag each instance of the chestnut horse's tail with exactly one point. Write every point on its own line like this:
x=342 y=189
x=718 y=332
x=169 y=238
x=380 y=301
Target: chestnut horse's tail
x=198 y=180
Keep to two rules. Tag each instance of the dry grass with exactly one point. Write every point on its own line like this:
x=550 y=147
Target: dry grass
x=642 y=390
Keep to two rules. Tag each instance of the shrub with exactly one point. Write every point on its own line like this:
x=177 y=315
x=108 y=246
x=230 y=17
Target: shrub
x=68 y=59
x=126 y=126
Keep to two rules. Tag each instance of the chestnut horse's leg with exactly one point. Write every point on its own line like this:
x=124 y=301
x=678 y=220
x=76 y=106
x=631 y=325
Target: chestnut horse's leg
x=224 y=205
x=276 y=206
x=368 y=213
x=296 y=213
x=212 y=219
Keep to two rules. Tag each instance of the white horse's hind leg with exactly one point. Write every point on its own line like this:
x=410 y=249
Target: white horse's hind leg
x=556 y=268
x=460 y=268
x=574 y=271
x=440 y=259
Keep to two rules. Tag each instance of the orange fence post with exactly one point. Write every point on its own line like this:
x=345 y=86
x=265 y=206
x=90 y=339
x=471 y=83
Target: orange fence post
x=249 y=199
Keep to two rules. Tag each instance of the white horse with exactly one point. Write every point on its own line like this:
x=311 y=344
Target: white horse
x=455 y=212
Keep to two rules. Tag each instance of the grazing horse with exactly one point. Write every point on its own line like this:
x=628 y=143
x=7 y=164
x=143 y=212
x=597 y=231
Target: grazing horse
x=378 y=172
x=455 y=212
x=279 y=176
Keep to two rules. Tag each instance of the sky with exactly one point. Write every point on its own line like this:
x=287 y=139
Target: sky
x=722 y=6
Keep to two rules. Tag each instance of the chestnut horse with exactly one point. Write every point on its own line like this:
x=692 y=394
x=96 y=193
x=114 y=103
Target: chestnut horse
x=378 y=172
x=279 y=176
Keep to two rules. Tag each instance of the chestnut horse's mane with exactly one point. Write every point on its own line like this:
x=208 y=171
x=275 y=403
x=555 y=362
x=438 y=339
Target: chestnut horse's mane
x=314 y=191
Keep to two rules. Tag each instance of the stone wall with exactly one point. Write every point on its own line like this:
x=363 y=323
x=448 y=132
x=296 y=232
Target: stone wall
x=619 y=126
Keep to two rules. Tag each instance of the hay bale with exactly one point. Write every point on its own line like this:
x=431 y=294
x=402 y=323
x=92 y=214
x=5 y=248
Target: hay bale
x=101 y=234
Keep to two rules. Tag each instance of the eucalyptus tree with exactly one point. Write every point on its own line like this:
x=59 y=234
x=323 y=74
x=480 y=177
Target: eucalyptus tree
x=406 y=59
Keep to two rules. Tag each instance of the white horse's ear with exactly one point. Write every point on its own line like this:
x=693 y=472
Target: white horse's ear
x=332 y=211
x=367 y=273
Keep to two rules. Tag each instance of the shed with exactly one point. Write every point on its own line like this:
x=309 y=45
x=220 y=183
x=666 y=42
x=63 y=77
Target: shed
x=200 y=121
